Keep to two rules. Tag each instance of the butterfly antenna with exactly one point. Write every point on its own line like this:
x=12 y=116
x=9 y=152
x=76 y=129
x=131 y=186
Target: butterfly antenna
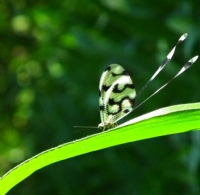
x=84 y=127
x=183 y=69
x=165 y=62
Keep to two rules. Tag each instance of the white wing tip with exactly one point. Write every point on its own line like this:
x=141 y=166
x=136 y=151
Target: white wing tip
x=194 y=59
x=183 y=37
x=169 y=56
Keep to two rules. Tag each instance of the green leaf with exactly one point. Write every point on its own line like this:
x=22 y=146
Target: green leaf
x=165 y=121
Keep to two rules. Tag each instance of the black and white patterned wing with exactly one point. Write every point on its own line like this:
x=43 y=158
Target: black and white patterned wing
x=116 y=95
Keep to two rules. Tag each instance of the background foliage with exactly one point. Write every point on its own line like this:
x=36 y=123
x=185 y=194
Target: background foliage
x=52 y=56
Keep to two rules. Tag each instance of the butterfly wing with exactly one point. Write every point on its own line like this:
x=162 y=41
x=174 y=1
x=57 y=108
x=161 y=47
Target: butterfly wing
x=116 y=95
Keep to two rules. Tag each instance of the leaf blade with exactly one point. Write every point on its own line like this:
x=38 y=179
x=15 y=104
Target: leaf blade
x=165 y=121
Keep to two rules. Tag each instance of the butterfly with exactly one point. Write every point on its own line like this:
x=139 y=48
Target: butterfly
x=117 y=92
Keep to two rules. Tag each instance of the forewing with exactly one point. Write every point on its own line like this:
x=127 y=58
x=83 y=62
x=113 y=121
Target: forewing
x=117 y=94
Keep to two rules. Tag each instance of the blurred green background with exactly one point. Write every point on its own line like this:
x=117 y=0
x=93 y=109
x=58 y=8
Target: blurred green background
x=52 y=54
